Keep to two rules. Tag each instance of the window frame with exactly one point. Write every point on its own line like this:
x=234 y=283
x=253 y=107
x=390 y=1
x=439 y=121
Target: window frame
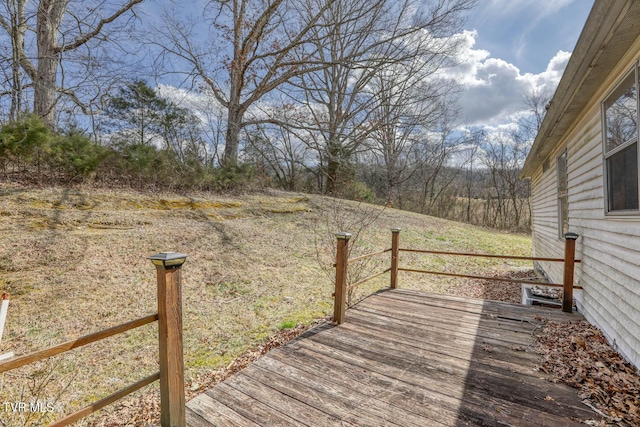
x=608 y=154
x=562 y=196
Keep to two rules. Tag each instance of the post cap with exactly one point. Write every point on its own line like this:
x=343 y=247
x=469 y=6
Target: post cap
x=396 y=229
x=571 y=236
x=343 y=236
x=168 y=260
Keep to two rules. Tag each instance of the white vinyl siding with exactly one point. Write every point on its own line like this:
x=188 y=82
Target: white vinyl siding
x=608 y=247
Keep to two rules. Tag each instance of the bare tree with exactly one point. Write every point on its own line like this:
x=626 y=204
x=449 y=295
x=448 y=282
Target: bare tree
x=212 y=133
x=472 y=150
x=13 y=21
x=249 y=53
x=537 y=100
x=357 y=219
x=504 y=156
x=336 y=98
x=281 y=151
x=256 y=46
x=360 y=40
x=434 y=177
x=411 y=102
x=59 y=30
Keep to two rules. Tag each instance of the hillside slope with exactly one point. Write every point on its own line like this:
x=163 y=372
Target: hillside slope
x=73 y=261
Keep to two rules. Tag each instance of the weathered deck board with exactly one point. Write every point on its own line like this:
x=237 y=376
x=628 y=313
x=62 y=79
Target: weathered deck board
x=402 y=358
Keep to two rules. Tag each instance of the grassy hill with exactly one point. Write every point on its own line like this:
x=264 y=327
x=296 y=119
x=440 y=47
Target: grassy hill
x=73 y=261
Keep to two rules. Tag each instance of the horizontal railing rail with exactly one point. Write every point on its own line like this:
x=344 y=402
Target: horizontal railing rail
x=497 y=279
x=106 y=401
x=342 y=264
x=471 y=254
x=366 y=279
x=79 y=342
x=366 y=256
x=171 y=373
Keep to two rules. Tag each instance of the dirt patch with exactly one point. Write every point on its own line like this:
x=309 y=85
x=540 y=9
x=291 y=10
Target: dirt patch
x=495 y=289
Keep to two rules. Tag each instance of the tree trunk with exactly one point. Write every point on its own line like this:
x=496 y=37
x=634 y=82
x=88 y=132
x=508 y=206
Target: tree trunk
x=18 y=30
x=338 y=158
x=232 y=140
x=49 y=18
x=42 y=66
x=332 y=175
x=235 y=110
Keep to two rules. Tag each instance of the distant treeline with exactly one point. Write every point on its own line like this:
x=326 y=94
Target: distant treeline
x=489 y=195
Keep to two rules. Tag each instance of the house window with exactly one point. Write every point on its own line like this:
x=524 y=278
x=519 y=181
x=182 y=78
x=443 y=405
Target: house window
x=621 y=147
x=563 y=184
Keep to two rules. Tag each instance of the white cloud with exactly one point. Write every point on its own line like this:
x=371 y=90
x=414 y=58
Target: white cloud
x=469 y=59
x=192 y=100
x=557 y=65
x=494 y=88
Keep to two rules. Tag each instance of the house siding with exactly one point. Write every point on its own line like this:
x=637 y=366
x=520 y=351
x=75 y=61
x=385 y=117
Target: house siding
x=609 y=247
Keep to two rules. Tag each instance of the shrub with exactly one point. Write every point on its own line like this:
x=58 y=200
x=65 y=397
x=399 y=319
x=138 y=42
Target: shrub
x=358 y=190
x=75 y=155
x=232 y=177
x=24 y=142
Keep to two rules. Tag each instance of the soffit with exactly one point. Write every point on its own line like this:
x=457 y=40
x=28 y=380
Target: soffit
x=611 y=29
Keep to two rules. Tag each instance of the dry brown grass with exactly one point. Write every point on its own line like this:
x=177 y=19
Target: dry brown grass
x=73 y=261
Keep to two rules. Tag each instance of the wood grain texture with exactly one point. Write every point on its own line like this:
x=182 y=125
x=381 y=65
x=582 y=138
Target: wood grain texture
x=79 y=342
x=402 y=358
x=340 y=293
x=172 y=397
x=395 y=247
x=366 y=256
x=567 y=290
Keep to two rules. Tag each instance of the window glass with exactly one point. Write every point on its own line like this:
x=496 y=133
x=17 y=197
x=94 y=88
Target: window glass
x=620 y=135
x=563 y=204
x=621 y=114
x=563 y=224
x=563 y=178
x=622 y=179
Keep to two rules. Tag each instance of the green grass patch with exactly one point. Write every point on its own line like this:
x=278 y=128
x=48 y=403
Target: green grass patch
x=287 y=324
x=209 y=360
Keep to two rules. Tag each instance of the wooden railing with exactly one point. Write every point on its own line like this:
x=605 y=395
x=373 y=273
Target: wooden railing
x=171 y=373
x=342 y=265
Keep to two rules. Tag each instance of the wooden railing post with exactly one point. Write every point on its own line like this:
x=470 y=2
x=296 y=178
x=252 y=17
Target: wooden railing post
x=395 y=246
x=342 y=261
x=172 y=398
x=569 y=261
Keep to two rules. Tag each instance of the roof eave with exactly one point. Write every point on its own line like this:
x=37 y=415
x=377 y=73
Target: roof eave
x=603 y=20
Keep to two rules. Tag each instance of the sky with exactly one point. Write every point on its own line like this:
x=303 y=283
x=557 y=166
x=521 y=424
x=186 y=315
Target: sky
x=512 y=46
x=509 y=48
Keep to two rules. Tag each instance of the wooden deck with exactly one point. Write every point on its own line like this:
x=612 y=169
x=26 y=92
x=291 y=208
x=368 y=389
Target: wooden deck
x=402 y=358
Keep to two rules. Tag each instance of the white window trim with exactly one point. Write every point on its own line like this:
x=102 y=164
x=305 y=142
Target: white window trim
x=606 y=155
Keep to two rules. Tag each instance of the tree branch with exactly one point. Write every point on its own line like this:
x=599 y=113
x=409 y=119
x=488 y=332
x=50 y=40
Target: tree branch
x=85 y=38
x=4 y=24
